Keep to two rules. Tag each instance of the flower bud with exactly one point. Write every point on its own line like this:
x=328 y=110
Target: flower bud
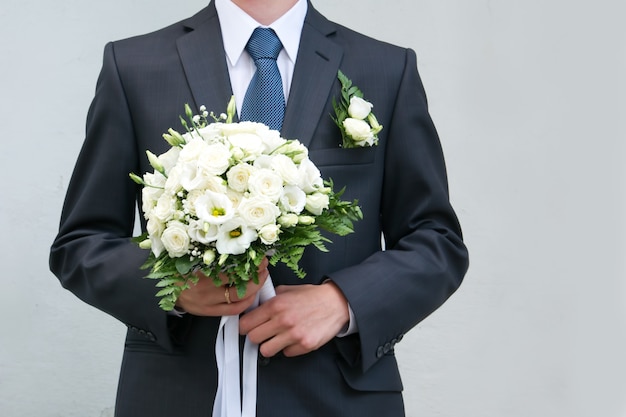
x=231 y=110
x=288 y=220
x=208 y=257
x=145 y=244
x=376 y=127
x=155 y=163
x=137 y=179
x=174 y=138
x=306 y=220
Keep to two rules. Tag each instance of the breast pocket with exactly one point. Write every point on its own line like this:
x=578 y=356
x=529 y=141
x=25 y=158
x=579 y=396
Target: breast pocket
x=339 y=156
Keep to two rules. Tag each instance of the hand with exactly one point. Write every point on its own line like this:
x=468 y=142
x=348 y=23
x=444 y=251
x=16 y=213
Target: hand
x=206 y=299
x=300 y=319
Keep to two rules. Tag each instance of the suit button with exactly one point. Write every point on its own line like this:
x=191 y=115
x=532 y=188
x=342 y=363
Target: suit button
x=151 y=337
x=263 y=361
x=387 y=348
x=380 y=352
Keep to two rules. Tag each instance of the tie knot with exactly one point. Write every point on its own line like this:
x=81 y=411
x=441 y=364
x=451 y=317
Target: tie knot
x=264 y=44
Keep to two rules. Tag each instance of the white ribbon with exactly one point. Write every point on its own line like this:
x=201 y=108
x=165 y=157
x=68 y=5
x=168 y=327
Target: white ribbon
x=228 y=399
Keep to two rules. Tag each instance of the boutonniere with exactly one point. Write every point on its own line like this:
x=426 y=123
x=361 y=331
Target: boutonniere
x=354 y=117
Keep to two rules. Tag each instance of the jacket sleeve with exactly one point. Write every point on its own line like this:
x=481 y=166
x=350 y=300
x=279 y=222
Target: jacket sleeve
x=92 y=254
x=425 y=258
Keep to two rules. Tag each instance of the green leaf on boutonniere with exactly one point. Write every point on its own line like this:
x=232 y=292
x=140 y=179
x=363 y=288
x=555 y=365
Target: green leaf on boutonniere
x=357 y=124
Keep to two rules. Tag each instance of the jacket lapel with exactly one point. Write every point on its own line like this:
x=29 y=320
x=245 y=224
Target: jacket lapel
x=204 y=61
x=314 y=76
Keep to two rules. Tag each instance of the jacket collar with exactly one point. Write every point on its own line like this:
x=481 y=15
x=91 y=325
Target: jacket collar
x=203 y=59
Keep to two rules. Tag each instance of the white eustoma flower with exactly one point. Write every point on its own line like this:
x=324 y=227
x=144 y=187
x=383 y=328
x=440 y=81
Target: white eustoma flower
x=286 y=168
x=175 y=239
x=271 y=140
x=295 y=150
x=359 y=131
x=156 y=245
x=293 y=199
x=202 y=232
x=234 y=237
x=214 y=208
x=269 y=234
x=310 y=178
x=169 y=158
x=359 y=108
x=192 y=150
x=172 y=184
x=267 y=183
x=316 y=203
x=257 y=211
x=263 y=162
x=152 y=191
x=238 y=176
x=249 y=143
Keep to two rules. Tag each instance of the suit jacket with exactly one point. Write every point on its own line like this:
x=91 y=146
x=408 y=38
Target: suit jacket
x=168 y=367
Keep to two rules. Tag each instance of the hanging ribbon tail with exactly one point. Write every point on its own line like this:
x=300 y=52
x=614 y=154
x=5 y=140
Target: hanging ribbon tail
x=228 y=399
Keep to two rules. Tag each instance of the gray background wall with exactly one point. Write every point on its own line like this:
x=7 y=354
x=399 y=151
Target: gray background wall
x=527 y=96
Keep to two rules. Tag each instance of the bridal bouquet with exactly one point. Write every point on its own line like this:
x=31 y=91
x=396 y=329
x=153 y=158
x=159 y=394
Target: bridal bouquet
x=227 y=194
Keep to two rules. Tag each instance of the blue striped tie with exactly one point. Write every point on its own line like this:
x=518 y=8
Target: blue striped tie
x=264 y=101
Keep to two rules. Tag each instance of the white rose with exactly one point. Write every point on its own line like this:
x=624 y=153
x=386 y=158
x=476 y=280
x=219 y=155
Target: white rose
x=310 y=176
x=238 y=176
x=257 y=211
x=214 y=208
x=286 y=168
x=234 y=238
x=165 y=208
x=266 y=183
x=234 y=197
x=155 y=227
x=214 y=159
x=189 y=204
x=295 y=150
x=215 y=183
x=269 y=234
x=316 y=203
x=359 y=131
x=175 y=239
x=202 y=232
x=359 y=108
x=293 y=199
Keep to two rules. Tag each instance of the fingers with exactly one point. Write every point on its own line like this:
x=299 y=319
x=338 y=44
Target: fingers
x=206 y=299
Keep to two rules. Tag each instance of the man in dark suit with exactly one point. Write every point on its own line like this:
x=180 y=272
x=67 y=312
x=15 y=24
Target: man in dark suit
x=327 y=341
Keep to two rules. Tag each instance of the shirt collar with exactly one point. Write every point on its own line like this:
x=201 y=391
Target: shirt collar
x=237 y=27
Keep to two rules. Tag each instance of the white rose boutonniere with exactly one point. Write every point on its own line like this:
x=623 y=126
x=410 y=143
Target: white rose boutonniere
x=354 y=117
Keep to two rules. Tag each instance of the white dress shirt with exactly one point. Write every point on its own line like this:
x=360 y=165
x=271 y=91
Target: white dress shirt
x=237 y=27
